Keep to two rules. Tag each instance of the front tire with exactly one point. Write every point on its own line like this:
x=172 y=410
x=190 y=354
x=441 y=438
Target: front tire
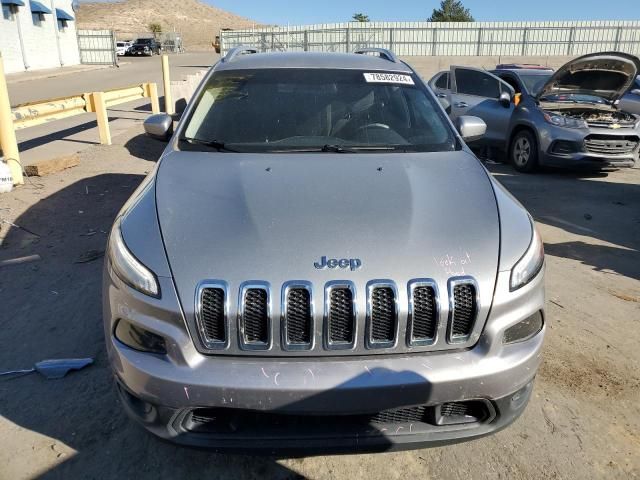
x=523 y=152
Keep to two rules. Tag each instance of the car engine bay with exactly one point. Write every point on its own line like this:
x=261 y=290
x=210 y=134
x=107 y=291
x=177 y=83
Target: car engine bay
x=598 y=117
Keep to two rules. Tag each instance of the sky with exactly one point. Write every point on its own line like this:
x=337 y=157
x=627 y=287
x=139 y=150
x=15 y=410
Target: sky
x=296 y=12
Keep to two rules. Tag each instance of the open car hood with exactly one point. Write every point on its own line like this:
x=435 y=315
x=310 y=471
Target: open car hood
x=607 y=75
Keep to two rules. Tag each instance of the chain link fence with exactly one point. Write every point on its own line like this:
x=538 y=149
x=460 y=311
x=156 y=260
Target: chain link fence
x=446 y=39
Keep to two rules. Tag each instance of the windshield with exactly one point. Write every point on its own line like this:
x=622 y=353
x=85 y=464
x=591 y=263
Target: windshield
x=533 y=83
x=268 y=110
x=143 y=41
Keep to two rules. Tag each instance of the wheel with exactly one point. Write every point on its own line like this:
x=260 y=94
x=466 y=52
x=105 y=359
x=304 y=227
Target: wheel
x=523 y=153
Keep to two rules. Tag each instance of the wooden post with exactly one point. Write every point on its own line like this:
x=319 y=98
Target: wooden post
x=166 y=82
x=101 y=115
x=8 y=140
x=151 y=91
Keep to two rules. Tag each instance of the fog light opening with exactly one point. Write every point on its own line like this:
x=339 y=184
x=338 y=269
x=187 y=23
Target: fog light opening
x=524 y=330
x=139 y=339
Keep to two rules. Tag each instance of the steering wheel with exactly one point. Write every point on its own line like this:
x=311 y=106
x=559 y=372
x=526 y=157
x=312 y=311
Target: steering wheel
x=373 y=125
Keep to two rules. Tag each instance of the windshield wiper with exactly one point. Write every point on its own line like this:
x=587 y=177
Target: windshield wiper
x=333 y=148
x=220 y=146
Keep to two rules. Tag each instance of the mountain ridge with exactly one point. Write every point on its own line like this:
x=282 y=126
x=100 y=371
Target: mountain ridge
x=197 y=22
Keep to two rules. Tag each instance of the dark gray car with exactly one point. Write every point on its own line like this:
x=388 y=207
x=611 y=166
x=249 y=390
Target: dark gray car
x=568 y=118
x=318 y=263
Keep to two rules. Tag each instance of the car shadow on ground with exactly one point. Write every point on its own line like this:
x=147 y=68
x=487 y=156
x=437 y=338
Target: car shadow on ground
x=144 y=147
x=56 y=312
x=582 y=204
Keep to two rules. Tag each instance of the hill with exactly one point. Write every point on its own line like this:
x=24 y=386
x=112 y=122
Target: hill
x=198 y=22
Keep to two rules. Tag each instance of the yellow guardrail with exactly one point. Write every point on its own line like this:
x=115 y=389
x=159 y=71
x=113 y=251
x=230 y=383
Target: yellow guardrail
x=36 y=113
x=44 y=111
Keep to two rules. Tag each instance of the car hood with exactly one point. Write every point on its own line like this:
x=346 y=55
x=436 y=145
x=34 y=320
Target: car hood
x=269 y=217
x=607 y=75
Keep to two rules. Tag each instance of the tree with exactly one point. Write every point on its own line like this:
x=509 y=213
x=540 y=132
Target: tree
x=360 y=17
x=155 y=28
x=451 y=11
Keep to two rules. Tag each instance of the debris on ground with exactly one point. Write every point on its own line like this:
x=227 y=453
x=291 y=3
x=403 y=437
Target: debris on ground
x=20 y=260
x=89 y=256
x=52 y=369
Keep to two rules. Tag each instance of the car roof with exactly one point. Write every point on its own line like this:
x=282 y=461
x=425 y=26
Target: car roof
x=324 y=60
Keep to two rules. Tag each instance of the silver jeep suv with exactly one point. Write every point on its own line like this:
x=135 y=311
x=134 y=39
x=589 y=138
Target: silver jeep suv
x=318 y=263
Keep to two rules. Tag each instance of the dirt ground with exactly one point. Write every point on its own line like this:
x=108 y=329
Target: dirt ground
x=583 y=420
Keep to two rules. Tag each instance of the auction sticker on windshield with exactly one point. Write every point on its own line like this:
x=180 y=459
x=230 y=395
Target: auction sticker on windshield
x=388 y=78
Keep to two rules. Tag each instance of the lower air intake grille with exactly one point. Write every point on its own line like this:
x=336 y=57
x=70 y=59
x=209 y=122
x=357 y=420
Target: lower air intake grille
x=464 y=310
x=298 y=318
x=607 y=145
x=424 y=316
x=402 y=415
x=341 y=316
x=384 y=316
x=212 y=316
x=255 y=316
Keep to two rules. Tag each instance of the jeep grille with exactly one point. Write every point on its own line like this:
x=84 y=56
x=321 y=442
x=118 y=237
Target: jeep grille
x=326 y=321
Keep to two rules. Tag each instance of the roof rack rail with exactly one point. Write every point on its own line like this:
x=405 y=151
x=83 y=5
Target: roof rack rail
x=382 y=52
x=235 y=51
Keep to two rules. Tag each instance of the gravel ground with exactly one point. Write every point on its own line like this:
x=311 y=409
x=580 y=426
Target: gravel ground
x=583 y=420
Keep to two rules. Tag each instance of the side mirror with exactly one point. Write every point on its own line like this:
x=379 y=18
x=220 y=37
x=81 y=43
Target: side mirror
x=505 y=99
x=159 y=126
x=471 y=128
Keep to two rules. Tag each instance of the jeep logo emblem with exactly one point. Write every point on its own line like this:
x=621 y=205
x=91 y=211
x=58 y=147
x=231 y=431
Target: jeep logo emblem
x=352 y=263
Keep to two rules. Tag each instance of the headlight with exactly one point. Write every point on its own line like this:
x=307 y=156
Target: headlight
x=128 y=268
x=530 y=264
x=564 y=121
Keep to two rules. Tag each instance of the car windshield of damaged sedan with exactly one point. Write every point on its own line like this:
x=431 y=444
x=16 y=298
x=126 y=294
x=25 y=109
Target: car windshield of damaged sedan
x=294 y=110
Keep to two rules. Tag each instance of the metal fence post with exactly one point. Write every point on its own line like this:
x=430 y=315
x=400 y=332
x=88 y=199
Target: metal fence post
x=348 y=39
x=434 y=40
x=525 y=32
x=305 y=41
x=479 y=47
x=102 y=117
x=617 y=43
x=391 y=39
x=8 y=140
x=572 y=32
x=263 y=42
x=166 y=84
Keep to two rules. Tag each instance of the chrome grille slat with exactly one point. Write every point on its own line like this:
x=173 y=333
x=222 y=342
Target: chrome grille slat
x=340 y=315
x=463 y=298
x=254 y=316
x=382 y=314
x=424 y=310
x=297 y=316
x=211 y=314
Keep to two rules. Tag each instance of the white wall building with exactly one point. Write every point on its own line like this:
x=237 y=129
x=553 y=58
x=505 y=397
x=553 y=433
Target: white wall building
x=38 y=34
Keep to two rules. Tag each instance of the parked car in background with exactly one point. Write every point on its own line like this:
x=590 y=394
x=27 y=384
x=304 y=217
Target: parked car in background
x=122 y=48
x=146 y=47
x=441 y=87
x=630 y=102
x=336 y=278
x=567 y=118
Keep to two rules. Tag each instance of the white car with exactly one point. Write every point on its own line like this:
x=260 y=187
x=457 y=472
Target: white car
x=122 y=48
